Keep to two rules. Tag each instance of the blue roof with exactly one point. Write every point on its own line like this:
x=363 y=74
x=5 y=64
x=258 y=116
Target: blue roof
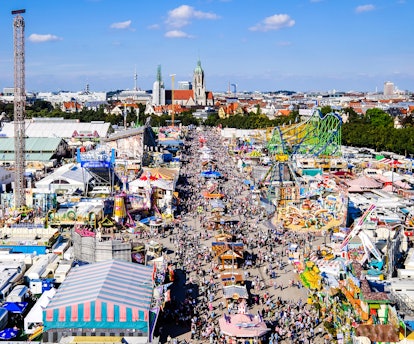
x=171 y=143
x=148 y=219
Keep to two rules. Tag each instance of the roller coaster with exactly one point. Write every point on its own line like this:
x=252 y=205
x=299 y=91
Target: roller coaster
x=316 y=136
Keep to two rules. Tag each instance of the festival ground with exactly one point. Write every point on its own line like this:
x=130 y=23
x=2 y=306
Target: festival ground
x=285 y=289
x=197 y=297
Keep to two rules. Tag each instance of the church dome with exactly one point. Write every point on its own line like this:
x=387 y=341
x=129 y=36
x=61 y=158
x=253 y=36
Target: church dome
x=198 y=69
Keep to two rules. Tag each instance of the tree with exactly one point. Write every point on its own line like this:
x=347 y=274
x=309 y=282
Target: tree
x=326 y=109
x=379 y=118
x=212 y=120
x=407 y=121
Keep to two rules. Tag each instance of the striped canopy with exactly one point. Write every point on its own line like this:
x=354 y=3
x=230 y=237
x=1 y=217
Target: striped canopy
x=109 y=294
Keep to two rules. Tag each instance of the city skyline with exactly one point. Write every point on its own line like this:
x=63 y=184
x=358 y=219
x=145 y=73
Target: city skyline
x=299 y=45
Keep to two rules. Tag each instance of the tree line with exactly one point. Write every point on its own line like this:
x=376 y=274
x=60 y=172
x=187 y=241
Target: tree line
x=375 y=129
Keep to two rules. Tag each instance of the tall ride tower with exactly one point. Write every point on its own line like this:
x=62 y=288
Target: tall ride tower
x=19 y=109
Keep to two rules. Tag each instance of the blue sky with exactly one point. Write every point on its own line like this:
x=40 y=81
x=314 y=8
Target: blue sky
x=263 y=45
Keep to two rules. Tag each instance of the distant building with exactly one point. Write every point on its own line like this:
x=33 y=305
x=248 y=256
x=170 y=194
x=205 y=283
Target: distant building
x=8 y=92
x=71 y=107
x=8 y=96
x=158 y=90
x=388 y=89
x=82 y=97
x=133 y=96
x=200 y=96
x=136 y=95
x=191 y=94
x=185 y=85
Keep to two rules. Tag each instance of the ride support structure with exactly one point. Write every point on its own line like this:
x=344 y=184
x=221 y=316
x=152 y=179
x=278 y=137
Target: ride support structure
x=19 y=109
x=316 y=136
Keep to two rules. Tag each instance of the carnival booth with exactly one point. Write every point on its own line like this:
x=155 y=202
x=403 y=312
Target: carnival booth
x=242 y=327
x=236 y=295
x=229 y=254
x=231 y=278
x=223 y=237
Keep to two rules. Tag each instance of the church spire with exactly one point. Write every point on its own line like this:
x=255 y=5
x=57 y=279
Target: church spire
x=198 y=69
x=159 y=78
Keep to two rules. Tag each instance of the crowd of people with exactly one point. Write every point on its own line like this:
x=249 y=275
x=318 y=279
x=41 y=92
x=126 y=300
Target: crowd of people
x=197 y=301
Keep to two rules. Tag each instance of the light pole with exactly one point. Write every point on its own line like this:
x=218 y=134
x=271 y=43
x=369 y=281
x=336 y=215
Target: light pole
x=125 y=116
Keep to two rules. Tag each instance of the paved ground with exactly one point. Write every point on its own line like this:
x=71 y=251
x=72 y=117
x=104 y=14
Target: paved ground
x=286 y=285
x=287 y=292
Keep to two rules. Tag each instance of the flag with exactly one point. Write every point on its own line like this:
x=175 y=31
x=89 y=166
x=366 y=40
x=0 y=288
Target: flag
x=154 y=271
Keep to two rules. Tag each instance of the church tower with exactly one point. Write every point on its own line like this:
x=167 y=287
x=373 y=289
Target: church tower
x=199 y=86
x=158 y=90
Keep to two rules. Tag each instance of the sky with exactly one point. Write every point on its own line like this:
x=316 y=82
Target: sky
x=257 y=45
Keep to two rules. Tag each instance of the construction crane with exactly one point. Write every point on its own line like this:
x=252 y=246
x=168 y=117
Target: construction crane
x=19 y=109
x=172 y=99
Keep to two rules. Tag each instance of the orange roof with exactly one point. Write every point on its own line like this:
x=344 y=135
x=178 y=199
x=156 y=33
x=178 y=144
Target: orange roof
x=183 y=94
x=71 y=105
x=284 y=112
x=229 y=109
x=254 y=101
x=119 y=103
x=177 y=108
x=158 y=108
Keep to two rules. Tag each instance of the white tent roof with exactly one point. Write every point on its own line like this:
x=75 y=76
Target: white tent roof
x=57 y=127
x=72 y=174
x=36 y=313
x=392 y=176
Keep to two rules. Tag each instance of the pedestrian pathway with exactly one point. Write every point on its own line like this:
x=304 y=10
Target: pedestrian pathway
x=197 y=296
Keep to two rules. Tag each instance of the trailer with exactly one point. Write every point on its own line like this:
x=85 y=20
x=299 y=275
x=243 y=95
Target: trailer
x=62 y=270
x=18 y=294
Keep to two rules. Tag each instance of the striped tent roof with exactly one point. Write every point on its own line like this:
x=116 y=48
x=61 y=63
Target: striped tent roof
x=113 y=291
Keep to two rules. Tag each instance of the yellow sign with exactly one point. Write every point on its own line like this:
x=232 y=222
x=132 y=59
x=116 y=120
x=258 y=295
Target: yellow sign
x=282 y=157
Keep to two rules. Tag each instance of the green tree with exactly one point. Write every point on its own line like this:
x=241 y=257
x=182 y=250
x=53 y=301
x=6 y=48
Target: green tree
x=326 y=109
x=379 y=118
x=212 y=120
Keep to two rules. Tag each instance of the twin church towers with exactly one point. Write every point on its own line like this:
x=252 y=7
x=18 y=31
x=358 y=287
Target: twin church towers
x=187 y=93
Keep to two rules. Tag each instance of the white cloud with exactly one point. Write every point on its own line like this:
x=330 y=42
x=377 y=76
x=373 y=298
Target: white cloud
x=275 y=22
x=37 y=38
x=364 y=8
x=182 y=15
x=177 y=34
x=154 y=27
x=121 y=25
